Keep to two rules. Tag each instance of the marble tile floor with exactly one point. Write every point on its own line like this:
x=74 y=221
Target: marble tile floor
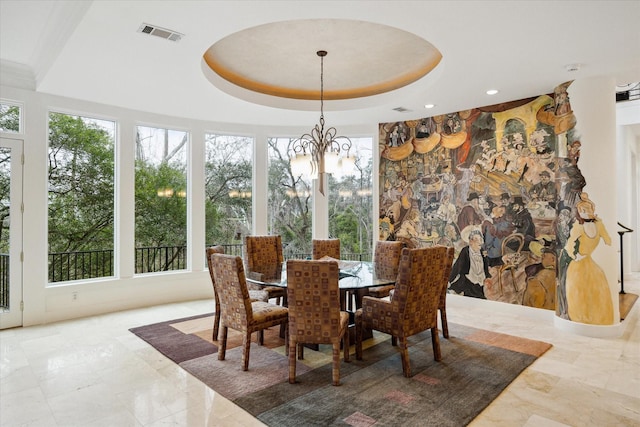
x=94 y=372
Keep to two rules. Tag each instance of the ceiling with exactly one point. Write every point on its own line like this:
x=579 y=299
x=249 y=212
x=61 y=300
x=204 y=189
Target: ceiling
x=92 y=50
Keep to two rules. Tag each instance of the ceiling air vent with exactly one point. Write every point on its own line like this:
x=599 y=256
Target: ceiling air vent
x=164 y=33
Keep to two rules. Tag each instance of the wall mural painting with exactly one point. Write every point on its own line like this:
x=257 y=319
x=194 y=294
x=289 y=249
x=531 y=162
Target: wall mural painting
x=502 y=185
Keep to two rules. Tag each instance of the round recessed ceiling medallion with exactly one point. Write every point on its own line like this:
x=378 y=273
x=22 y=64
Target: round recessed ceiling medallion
x=279 y=59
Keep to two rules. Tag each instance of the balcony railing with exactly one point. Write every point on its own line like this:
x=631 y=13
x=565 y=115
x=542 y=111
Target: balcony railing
x=67 y=266
x=4 y=281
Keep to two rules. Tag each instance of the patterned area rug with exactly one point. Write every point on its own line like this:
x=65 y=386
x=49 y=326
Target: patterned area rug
x=476 y=366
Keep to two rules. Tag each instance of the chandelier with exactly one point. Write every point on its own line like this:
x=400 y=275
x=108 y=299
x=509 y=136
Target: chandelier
x=318 y=152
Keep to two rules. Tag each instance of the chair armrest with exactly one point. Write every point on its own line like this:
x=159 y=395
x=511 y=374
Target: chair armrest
x=375 y=304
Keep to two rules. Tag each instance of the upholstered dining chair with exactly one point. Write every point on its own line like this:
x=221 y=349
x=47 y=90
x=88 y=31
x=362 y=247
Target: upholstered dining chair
x=386 y=260
x=414 y=306
x=236 y=309
x=325 y=248
x=254 y=294
x=443 y=297
x=263 y=255
x=314 y=311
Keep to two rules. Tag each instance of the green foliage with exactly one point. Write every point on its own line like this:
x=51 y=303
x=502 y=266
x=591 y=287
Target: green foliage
x=9 y=118
x=5 y=186
x=228 y=175
x=289 y=200
x=81 y=185
x=161 y=205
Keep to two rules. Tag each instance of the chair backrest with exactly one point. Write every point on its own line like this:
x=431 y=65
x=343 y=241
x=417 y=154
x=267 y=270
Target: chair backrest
x=263 y=254
x=326 y=247
x=210 y=251
x=419 y=287
x=386 y=258
x=314 y=300
x=235 y=303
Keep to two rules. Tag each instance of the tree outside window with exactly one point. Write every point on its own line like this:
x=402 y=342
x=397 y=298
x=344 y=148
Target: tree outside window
x=228 y=190
x=290 y=200
x=160 y=199
x=351 y=203
x=81 y=197
x=9 y=118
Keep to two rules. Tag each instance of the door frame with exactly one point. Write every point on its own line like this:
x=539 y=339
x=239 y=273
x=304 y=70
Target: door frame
x=14 y=316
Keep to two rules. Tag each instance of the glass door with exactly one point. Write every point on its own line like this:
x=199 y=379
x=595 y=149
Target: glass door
x=10 y=233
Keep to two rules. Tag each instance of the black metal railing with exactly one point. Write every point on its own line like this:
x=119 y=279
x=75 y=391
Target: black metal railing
x=67 y=266
x=161 y=258
x=4 y=281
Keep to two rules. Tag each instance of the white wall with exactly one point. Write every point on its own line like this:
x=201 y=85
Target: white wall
x=628 y=176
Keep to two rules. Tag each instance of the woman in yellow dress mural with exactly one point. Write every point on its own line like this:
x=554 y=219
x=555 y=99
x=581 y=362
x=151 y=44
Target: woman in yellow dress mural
x=588 y=294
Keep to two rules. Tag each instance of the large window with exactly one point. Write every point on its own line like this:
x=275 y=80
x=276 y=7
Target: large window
x=81 y=197
x=10 y=117
x=228 y=190
x=351 y=203
x=160 y=199
x=289 y=213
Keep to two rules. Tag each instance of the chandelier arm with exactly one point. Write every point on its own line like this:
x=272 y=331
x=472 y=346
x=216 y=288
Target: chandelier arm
x=320 y=141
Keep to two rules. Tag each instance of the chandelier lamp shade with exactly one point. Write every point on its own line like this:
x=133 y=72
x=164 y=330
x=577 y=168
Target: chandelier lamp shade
x=319 y=151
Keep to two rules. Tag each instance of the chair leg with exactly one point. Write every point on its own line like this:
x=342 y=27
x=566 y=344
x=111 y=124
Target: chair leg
x=216 y=322
x=435 y=342
x=404 y=354
x=443 y=320
x=335 y=371
x=358 y=335
x=261 y=337
x=246 y=345
x=223 y=343
x=345 y=345
x=394 y=341
x=300 y=351
x=292 y=361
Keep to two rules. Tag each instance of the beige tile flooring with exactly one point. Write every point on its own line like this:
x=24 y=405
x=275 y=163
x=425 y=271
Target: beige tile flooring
x=94 y=372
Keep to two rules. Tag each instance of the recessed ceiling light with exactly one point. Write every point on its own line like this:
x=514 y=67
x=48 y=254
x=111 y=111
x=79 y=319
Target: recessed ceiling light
x=429 y=105
x=492 y=91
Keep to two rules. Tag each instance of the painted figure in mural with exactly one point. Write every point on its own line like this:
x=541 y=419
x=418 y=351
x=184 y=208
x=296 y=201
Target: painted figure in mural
x=448 y=182
x=464 y=182
x=422 y=131
x=447 y=211
x=541 y=282
x=572 y=184
x=523 y=222
x=588 y=294
x=545 y=190
x=472 y=213
x=495 y=230
x=561 y=100
x=574 y=152
x=470 y=271
x=417 y=191
x=451 y=238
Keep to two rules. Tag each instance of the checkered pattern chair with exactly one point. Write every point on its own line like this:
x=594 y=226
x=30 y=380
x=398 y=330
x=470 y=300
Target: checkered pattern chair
x=254 y=294
x=314 y=311
x=326 y=247
x=237 y=311
x=414 y=306
x=443 y=297
x=386 y=260
x=263 y=255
